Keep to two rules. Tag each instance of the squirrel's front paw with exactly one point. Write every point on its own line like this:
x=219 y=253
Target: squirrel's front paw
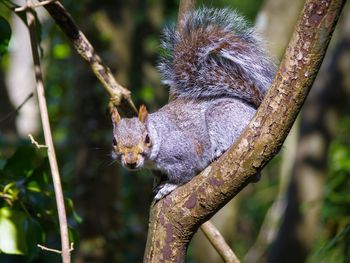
x=163 y=190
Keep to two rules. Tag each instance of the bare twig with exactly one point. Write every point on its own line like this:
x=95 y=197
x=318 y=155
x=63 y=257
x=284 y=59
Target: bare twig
x=219 y=243
x=25 y=7
x=48 y=137
x=17 y=109
x=33 y=141
x=56 y=250
x=119 y=96
x=185 y=7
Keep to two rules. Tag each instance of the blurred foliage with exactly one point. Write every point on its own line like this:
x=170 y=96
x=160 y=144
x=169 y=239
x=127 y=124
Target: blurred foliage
x=77 y=105
x=28 y=213
x=113 y=202
x=333 y=245
x=248 y=8
x=5 y=35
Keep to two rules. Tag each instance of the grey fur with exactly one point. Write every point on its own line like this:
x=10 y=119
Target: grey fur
x=249 y=63
x=212 y=102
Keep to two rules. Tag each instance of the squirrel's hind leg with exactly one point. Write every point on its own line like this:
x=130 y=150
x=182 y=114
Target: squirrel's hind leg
x=158 y=179
x=164 y=189
x=161 y=186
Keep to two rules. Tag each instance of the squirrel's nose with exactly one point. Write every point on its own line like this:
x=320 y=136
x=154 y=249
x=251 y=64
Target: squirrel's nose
x=131 y=165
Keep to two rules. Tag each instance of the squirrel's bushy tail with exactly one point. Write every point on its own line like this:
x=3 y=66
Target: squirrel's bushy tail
x=216 y=54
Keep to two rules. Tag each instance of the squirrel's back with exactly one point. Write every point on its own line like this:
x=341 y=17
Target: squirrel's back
x=215 y=55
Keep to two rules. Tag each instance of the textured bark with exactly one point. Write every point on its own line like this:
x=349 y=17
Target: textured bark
x=174 y=219
x=321 y=114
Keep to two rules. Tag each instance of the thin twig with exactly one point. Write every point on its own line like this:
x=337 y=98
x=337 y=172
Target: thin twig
x=17 y=109
x=48 y=137
x=49 y=249
x=25 y=7
x=56 y=250
x=219 y=243
x=119 y=96
x=185 y=7
x=33 y=141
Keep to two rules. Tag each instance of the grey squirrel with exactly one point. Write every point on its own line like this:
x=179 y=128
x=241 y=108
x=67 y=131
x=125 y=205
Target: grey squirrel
x=218 y=73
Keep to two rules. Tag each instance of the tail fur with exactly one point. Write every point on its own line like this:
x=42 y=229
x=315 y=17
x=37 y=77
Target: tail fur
x=216 y=55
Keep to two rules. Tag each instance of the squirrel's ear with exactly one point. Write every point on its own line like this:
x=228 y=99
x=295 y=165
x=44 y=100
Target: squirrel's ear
x=115 y=116
x=143 y=113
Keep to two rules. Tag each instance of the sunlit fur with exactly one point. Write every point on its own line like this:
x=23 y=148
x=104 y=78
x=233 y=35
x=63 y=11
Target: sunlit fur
x=218 y=74
x=130 y=149
x=216 y=54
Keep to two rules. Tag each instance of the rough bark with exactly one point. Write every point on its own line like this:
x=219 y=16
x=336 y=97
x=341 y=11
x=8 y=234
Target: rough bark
x=174 y=219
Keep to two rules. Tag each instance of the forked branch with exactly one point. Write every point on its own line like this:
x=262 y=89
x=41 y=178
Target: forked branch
x=174 y=219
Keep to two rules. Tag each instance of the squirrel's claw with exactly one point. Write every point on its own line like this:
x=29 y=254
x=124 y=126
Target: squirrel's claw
x=163 y=190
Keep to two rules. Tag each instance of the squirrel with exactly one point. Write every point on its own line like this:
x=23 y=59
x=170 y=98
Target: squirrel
x=218 y=73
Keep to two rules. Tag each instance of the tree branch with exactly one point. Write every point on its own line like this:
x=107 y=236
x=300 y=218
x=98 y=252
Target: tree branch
x=17 y=108
x=218 y=242
x=25 y=7
x=174 y=219
x=119 y=96
x=65 y=252
x=185 y=7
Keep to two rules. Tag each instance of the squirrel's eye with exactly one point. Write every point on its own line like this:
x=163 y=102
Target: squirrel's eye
x=147 y=139
x=114 y=142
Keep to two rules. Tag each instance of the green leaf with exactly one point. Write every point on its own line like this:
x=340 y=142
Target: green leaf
x=12 y=229
x=35 y=235
x=338 y=238
x=73 y=236
x=5 y=35
x=19 y=234
x=70 y=206
x=33 y=186
x=147 y=93
x=61 y=51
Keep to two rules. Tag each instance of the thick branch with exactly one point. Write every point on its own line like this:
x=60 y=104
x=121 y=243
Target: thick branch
x=119 y=96
x=174 y=219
